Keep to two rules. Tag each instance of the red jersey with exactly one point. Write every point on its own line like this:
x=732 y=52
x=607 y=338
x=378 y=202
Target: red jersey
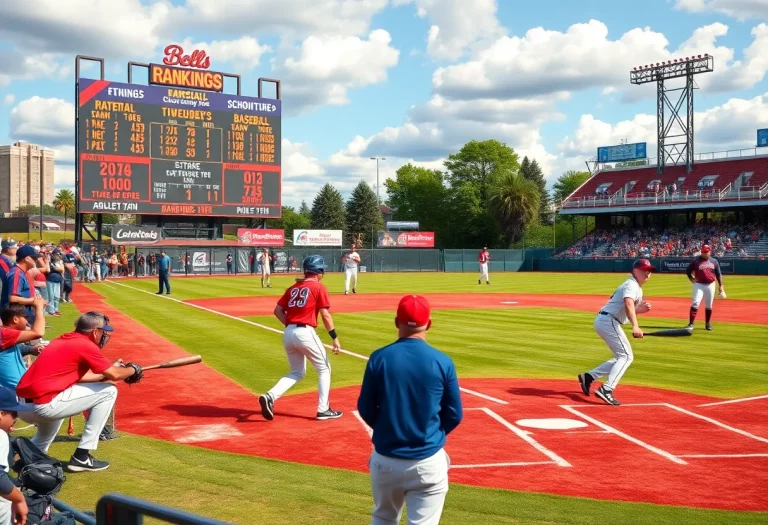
x=303 y=301
x=63 y=363
x=705 y=271
x=484 y=257
x=8 y=337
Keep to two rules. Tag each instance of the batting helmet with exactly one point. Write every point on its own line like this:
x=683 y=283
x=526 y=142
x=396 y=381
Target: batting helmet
x=314 y=264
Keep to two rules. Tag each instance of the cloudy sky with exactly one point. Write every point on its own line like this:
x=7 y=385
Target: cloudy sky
x=409 y=80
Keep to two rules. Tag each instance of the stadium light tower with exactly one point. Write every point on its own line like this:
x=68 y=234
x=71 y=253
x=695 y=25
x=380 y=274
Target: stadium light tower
x=675 y=135
x=377 y=159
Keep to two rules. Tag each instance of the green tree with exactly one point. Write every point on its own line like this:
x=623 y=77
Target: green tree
x=477 y=162
x=419 y=194
x=290 y=220
x=567 y=183
x=64 y=202
x=515 y=201
x=532 y=171
x=363 y=215
x=305 y=211
x=328 y=211
x=32 y=210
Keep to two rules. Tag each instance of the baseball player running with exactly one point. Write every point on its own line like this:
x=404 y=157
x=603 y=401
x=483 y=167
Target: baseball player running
x=351 y=261
x=298 y=309
x=264 y=260
x=624 y=305
x=703 y=272
x=484 y=257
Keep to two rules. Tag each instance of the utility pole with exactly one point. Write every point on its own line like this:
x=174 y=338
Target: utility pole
x=377 y=159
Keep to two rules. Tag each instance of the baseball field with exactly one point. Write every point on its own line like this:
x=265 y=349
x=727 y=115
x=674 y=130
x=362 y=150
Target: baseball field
x=688 y=445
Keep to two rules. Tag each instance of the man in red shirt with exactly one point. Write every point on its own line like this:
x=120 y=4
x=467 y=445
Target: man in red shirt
x=483 y=258
x=71 y=376
x=298 y=309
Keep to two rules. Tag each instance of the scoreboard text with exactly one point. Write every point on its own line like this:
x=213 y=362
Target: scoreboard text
x=171 y=151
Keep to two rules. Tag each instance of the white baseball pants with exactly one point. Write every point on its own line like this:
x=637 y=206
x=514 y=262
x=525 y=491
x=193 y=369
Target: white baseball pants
x=350 y=274
x=484 y=272
x=610 y=330
x=302 y=344
x=420 y=484
x=99 y=398
x=6 y=517
x=705 y=291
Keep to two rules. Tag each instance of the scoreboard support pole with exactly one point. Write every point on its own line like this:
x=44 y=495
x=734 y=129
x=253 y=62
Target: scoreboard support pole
x=78 y=215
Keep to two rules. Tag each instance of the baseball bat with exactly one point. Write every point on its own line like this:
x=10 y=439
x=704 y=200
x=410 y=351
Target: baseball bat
x=173 y=363
x=673 y=332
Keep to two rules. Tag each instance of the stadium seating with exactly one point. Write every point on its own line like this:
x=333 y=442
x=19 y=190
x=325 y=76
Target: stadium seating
x=709 y=180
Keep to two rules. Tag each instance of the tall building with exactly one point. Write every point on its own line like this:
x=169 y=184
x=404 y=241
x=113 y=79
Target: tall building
x=23 y=166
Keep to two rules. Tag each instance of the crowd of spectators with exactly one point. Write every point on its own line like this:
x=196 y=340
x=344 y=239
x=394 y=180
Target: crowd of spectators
x=725 y=240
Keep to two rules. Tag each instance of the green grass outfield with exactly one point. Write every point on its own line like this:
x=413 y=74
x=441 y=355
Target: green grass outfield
x=524 y=342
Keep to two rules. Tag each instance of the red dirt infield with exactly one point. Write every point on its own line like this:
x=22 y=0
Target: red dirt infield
x=730 y=311
x=651 y=449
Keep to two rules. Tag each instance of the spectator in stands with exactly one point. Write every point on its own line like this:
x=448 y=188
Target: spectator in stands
x=141 y=269
x=113 y=264
x=14 y=339
x=54 y=281
x=229 y=263
x=17 y=289
x=152 y=261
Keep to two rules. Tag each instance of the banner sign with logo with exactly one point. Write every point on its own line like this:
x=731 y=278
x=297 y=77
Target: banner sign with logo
x=317 y=237
x=681 y=265
x=260 y=237
x=405 y=239
x=402 y=225
x=130 y=234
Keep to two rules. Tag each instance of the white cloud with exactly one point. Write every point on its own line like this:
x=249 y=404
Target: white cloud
x=47 y=121
x=9 y=99
x=15 y=65
x=116 y=28
x=583 y=57
x=730 y=126
x=457 y=25
x=327 y=66
x=63 y=153
x=739 y=9
x=63 y=176
x=286 y=17
x=245 y=52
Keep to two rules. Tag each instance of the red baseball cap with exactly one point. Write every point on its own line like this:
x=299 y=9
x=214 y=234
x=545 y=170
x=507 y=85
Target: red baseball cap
x=413 y=311
x=706 y=249
x=644 y=264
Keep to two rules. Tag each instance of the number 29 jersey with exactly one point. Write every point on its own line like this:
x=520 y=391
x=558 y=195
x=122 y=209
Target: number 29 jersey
x=303 y=301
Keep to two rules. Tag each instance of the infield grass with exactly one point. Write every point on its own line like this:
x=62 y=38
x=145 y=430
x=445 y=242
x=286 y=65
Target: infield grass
x=515 y=342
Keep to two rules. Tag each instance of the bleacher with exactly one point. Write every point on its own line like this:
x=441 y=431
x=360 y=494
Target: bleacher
x=722 y=180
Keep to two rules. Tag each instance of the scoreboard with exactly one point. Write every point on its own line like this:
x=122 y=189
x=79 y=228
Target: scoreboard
x=174 y=151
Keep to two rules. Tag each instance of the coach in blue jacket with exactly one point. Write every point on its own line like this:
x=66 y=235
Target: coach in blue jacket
x=410 y=398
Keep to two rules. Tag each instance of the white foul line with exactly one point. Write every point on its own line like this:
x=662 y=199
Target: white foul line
x=723 y=456
x=729 y=401
x=491 y=465
x=655 y=450
x=718 y=423
x=560 y=462
x=368 y=429
x=277 y=331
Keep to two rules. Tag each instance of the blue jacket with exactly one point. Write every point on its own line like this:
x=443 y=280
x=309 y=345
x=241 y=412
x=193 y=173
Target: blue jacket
x=164 y=263
x=410 y=398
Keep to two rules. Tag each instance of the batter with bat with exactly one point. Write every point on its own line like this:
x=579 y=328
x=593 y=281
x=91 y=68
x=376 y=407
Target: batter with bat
x=70 y=377
x=703 y=272
x=623 y=306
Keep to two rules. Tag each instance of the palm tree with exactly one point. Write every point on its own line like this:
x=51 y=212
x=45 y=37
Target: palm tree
x=64 y=201
x=515 y=203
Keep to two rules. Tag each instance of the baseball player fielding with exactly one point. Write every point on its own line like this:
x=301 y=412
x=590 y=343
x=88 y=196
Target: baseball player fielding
x=351 y=261
x=484 y=258
x=623 y=306
x=703 y=271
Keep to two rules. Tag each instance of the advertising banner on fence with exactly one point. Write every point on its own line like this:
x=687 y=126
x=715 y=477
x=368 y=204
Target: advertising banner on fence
x=260 y=237
x=130 y=234
x=681 y=265
x=317 y=237
x=405 y=239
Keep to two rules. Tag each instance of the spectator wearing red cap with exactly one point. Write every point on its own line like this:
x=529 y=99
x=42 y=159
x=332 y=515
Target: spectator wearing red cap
x=623 y=306
x=410 y=398
x=703 y=271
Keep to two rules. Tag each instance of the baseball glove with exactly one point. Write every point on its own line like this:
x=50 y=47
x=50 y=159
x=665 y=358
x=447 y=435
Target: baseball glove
x=137 y=376
x=722 y=295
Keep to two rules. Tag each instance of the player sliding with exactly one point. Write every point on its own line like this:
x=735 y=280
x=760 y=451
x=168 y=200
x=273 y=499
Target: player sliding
x=298 y=309
x=624 y=305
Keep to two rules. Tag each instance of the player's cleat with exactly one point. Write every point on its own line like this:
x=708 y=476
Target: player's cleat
x=487 y=282
x=267 y=407
x=689 y=327
x=108 y=435
x=479 y=281
x=329 y=414
x=91 y=464
x=585 y=380
x=346 y=293
x=607 y=396
x=354 y=290
x=708 y=327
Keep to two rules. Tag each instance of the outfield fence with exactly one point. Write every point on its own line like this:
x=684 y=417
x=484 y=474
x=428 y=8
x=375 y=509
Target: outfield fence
x=213 y=261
